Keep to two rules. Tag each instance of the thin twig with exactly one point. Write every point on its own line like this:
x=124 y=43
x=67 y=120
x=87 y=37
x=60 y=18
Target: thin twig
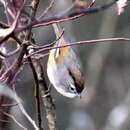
x=66 y=17
x=9 y=54
x=47 y=10
x=49 y=106
x=49 y=45
x=88 y=42
x=35 y=59
x=35 y=46
x=27 y=116
x=34 y=6
x=5 y=121
x=10 y=73
x=21 y=107
x=7 y=10
x=37 y=95
x=9 y=105
x=30 y=61
x=7 y=32
x=15 y=120
x=5 y=4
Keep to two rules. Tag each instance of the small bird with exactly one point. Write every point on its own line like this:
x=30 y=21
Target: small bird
x=63 y=68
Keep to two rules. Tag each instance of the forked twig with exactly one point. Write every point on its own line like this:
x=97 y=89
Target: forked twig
x=15 y=120
x=66 y=17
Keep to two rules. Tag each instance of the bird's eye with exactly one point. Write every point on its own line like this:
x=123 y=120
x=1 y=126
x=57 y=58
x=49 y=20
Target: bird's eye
x=72 y=89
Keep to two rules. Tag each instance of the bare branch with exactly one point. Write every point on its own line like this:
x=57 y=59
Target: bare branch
x=88 y=42
x=27 y=116
x=11 y=94
x=9 y=105
x=47 y=99
x=15 y=120
x=66 y=17
x=47 y=9
x=8 y=11
x=6 y=32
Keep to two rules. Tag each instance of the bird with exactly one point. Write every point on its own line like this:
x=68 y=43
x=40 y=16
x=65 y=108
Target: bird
x=63 y=68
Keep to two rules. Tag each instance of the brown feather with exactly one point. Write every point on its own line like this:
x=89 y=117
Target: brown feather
x=63 y=52
x=77 y=78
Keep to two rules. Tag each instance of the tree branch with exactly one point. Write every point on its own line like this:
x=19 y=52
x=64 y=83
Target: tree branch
x=66 y=17
x=45 y=50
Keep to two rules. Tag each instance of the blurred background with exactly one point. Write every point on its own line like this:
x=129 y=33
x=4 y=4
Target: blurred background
x=105 y=103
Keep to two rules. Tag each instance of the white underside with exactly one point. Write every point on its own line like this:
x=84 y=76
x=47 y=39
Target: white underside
x=53 y=77
x=59 y=76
